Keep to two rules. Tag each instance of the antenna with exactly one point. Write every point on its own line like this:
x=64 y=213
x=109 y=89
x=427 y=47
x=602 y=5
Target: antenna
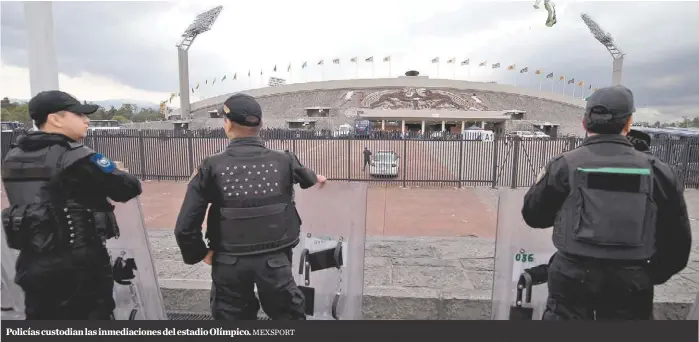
x=608 y=42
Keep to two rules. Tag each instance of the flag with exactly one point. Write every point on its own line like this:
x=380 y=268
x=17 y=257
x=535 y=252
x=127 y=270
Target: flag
x=353 y=59
x=571 y=81
x=370 y=59
x=563 y=77
x=224 y=77
x=484 y=63
x=305 y=64
x=549 y=75
x=435 y=60
x=526 y=69
x=336 y=61
x=206 y=82
x=192 y=89
x=197 y=86
x=248 y=73
x=235 y=76
x=466 y=62
x=288 y=69
x=582 y=83
x=511 y=67
x=260 y=72
x=387 y=59
x=496 y=65
x=275 y=69
x=214 y=82
x=320 y=62
x=451 y=61
x=589 y=87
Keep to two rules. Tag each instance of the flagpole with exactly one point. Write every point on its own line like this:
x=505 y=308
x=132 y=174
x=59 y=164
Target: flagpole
x=373 y=69
x=356 y=70
x=469 y=70
x=564 y=86
x=541 y=81
x=454 y=77
x=437 y=69
x=389 y=69
x=553 y=81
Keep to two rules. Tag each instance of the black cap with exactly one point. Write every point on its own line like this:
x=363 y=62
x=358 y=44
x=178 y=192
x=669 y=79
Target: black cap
x=242 y=109
x=607 y=104
x=54 y=101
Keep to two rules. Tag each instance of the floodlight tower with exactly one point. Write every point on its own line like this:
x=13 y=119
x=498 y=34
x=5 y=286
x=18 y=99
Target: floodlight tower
x=201 y=24
x=608 y=42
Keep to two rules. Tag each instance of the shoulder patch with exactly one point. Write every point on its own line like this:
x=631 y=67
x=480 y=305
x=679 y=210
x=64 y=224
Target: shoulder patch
x=103 y=163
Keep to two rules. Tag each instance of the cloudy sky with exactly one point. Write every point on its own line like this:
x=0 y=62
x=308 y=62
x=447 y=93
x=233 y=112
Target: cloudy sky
x=126 y=50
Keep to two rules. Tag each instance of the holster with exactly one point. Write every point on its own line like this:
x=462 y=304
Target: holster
x=106 y=225
x=12 y=219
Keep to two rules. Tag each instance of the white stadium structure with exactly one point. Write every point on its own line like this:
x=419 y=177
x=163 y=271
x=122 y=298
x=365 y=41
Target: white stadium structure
x=404 y=103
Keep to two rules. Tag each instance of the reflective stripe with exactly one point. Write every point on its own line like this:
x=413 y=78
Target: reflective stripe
x=621 y=170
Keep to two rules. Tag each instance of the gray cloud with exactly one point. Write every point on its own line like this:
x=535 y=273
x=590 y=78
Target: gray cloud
x=113 y=39
x=104 y=38
x=657 y=37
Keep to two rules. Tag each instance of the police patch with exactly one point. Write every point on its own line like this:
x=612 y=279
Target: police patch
x=541 y=175
x=103 y=163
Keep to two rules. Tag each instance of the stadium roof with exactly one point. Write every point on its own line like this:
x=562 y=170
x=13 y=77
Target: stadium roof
x=388 y=83
x=431 y=114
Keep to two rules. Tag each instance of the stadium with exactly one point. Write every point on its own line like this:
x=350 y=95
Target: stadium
x=404 y=104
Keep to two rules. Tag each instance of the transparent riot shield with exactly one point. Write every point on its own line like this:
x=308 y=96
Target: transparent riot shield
x=136 y=291
x=518 y=247
x=694 y=310
x=12 y=295
x=329 y=260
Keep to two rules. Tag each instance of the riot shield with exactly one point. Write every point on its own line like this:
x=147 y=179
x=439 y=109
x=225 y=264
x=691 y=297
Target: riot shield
x=136 y=291
x=329 y=260
x=694 y=310
x=518 y=247
x=12 y=296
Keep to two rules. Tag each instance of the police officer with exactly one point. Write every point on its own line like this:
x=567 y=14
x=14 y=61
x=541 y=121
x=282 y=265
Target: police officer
x=59 y=216
x=252 y=222
x=619 y=219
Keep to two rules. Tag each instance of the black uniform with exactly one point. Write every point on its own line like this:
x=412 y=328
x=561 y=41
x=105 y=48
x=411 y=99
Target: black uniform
x=620 y=225
x=252 y=224
x=59 y=218
x=367 y=158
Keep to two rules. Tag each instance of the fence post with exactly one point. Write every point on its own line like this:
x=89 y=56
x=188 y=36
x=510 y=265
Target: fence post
x=349 y=159
x=515 y=162
x=461 y=160
x=685 y=163
x=496 y=142
x=142 y=150
x=190 y=152
x=405 y=157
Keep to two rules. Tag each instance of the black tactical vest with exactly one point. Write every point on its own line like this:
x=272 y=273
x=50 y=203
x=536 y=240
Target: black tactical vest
x=610 y=212
x=39 y=218
x=257 y=213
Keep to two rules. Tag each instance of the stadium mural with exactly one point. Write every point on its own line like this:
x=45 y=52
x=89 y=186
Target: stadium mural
x=419 y=98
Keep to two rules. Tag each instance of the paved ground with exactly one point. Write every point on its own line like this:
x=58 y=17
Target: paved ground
x=391 y=211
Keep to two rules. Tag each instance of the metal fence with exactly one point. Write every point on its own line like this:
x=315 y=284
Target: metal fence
x=447 y=161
